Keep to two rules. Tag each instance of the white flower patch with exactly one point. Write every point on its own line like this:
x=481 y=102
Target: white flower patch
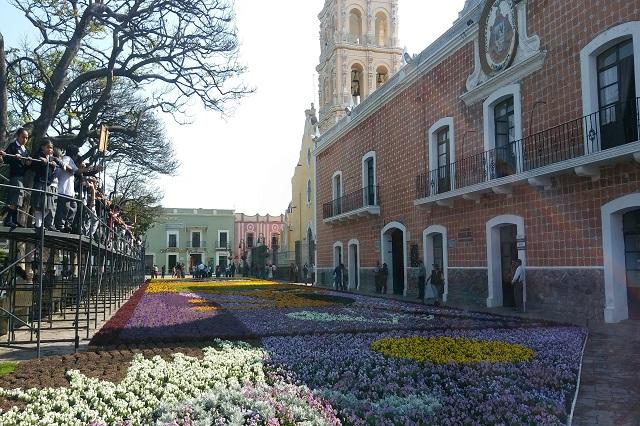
x=230 y=378
x=330 y=317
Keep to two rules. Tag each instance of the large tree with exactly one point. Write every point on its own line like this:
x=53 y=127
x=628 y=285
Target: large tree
x=169 y=50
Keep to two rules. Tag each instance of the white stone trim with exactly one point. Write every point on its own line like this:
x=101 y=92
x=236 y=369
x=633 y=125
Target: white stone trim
x=589 y=54
x=432 y=148
x=427 y=244
x=564 y=268
x=615 y=280
x=494 y=283
x=589 y=67
x=333 y=252
x=356 y=272
x=388 y=257
x=334 y=195
x=467 y=267
x=512 y=90
x=370 y=154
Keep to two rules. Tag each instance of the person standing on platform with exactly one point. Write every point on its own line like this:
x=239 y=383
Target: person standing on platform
x=18 y=160
x=163 y=271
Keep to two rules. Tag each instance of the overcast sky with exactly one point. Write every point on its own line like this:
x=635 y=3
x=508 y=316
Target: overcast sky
x=245 y=162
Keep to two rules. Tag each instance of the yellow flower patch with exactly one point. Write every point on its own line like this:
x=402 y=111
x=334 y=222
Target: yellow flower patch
x=444 y=350
x=180 y=285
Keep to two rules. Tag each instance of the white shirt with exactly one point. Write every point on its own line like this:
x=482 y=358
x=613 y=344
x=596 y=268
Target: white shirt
x=518 y=276
x=65 y=179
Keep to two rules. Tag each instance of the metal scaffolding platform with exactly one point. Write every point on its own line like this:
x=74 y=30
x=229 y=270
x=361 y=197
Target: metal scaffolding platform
x=85 y=278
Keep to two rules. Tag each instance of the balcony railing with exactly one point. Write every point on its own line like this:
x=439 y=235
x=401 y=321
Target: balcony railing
x=361 y=199
x=196 y=244
x=223 y=244
x=613 y=126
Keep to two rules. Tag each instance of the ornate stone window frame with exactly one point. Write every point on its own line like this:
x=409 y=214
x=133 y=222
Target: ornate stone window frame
x=370 y=154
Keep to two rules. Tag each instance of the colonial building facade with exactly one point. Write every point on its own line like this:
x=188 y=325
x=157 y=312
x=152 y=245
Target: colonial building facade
x=190 y=236
x=358 y=53
x=257 y=230
x=300 y=225
x=513 y=135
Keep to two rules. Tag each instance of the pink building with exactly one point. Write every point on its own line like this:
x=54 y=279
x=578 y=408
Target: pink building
x=251 y=231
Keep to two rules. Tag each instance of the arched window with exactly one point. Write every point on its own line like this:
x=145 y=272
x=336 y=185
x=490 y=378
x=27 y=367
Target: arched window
x=309 y=191
x=381 y=29
x=382 y=75
x=308 y=156
x=355 y=26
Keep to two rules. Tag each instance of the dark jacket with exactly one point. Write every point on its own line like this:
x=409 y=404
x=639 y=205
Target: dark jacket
x=16 y=167
x=40 y=169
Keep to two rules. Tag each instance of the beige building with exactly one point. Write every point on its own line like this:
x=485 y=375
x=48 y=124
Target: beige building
x=359 y=52
x=300 y=215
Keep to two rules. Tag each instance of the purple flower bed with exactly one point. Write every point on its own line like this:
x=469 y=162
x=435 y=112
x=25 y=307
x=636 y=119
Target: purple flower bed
x=366 y=386
x=170 y=317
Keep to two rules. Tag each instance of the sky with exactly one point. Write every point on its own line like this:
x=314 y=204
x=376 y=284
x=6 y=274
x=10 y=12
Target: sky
x=245 y=161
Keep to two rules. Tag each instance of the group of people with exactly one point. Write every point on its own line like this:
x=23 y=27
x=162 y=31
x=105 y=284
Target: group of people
x=432 y=287
x=304 y=275
x=62 y=182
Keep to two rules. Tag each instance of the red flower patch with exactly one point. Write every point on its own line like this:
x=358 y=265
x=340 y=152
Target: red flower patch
x=109 y=332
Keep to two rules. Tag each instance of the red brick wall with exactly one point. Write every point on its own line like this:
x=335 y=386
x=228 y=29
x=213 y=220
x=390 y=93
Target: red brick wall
x=562 y=224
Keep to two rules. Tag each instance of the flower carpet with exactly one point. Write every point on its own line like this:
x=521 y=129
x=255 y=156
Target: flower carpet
x=317 y=357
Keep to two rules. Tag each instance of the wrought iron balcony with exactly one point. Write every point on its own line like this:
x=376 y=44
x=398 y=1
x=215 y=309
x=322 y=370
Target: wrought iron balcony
x=196 y=245
x=582 y=145
x=363 y=202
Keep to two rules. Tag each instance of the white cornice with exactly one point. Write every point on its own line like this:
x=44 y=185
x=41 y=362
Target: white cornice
x=453 y=39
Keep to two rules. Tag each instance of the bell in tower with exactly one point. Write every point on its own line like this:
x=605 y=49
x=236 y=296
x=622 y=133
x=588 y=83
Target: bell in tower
x=359 y=53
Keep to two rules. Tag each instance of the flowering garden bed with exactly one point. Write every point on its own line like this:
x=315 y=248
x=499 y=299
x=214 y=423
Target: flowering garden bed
x=321 y=357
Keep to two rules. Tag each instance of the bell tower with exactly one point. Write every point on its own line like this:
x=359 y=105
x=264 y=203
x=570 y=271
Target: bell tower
x=358 y=53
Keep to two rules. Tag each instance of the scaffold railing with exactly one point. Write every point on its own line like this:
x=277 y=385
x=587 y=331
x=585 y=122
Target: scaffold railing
x=56 y=287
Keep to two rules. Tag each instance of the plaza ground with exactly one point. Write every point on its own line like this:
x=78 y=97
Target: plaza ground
x=608 y=395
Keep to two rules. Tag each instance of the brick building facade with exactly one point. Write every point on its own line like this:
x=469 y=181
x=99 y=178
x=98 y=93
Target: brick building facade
x=515 y=134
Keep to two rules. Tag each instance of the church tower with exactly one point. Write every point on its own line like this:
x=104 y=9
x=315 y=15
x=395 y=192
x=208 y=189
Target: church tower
x=359 y=52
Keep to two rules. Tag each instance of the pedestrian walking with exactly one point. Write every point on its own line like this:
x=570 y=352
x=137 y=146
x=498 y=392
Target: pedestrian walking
x=305 y=273
x=162 y=271
x=518 y=282
x=422 y=276
x=383 y=278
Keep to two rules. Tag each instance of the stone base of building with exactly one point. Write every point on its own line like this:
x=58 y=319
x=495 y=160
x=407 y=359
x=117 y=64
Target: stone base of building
x=467 y=287
x=561 y=294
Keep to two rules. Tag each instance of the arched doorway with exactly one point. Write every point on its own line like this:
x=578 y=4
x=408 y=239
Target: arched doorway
x=621 y=252
x=502 y=235
x=354 y=264
x=393 y=239
x=434 y=241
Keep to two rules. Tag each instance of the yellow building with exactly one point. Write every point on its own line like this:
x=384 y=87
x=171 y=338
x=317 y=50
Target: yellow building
x=300 y=215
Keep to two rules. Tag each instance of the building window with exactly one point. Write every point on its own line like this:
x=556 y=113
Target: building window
x=382 y=75
x=609 y=85
x=441 y=157
x=503 y=132
x=444 y=156
x=381 y=29
x=309 y=191
x=249 y=240
x=308 y=156
x=504 y=136
x=274 y=241
x=369 y=182
x=223 y=239
x=195 y=239
x=617 y=95
x=172 y=240
x=355 y=26
x=336 y=185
